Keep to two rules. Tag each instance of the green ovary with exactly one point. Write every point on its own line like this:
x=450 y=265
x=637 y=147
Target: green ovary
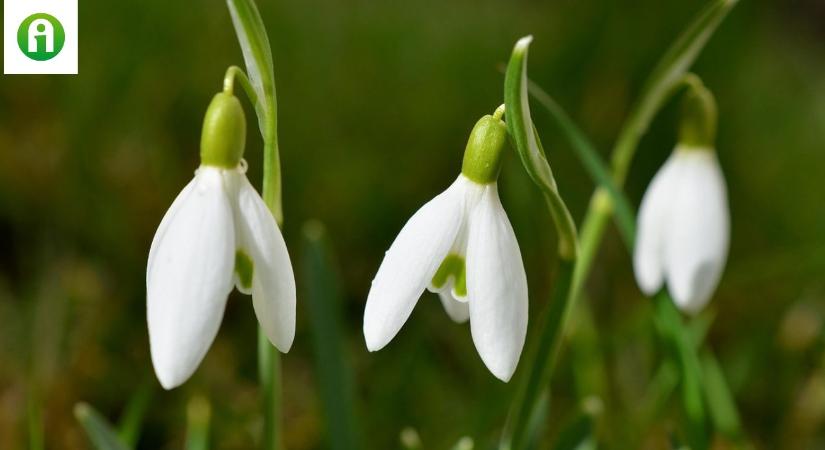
x=245 y=268
x=452 y=266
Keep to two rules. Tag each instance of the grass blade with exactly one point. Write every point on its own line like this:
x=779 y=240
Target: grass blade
x=99 y=431
x=258 y=58
x=132 y=419
x=257 y=55
x=198 y=416
x=683 y=351
x=590 y=159
x=528 y=146
x=663 y=80
x=721 y=404
x=334 y=375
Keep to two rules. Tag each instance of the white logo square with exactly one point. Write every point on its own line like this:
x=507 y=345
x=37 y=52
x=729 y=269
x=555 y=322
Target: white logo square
x=40 y=36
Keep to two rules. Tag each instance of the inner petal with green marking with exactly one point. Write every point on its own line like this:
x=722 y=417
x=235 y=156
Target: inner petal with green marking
x=452 y=266
x=245 y=269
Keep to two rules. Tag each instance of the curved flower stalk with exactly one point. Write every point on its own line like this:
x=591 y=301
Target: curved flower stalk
x=526 y=402
x=218 y=234
x=460 y=245
x=684 y=221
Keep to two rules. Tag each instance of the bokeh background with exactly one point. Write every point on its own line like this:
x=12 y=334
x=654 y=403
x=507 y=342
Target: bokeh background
x=376 y=100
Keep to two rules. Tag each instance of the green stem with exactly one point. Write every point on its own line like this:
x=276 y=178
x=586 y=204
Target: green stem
x=235 y=72
x=257 y=53
x=668 y=76
x=269 y=360
x=543 y=357
x=678 y=338
x=269 y=374
x=132 y=418
x=551 y=326
x=268 y=356
x=198 y=415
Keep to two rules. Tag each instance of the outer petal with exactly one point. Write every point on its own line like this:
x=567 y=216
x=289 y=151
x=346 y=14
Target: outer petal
x=654 y=213
x=188 y=278
x=496 y=287
x=459 y=311
x=411 y=262
x=171 y=213
x=273 y=282
x=699 y=230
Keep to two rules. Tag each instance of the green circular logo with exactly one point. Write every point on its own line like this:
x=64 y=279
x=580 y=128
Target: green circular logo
x=41 y=37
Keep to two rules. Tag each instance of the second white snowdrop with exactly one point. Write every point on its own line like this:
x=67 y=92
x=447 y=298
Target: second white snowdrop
x=460 y=245
x=218 y=234
x=684 y=220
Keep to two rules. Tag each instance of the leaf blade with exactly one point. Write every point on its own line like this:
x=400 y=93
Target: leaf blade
x=528 y=146
x=100 y=432
x=257 y=54
x=590 y=159
x=334 y=374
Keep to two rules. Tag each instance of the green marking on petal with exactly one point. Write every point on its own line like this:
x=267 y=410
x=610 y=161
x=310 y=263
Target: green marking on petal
x=452 y=266
x=245 y=268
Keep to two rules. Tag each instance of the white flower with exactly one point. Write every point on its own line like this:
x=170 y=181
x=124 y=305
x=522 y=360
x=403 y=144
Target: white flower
x=462 y=242
x=684 y=228
x=217 y=234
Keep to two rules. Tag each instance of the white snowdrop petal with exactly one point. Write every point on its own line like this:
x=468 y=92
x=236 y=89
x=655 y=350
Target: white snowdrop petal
x=458 y=311
x=168 y=217
x=698 y=235
x=188 y=279
x=273 y=282
x=496 y=287
x=654 y=213
x=410 y=263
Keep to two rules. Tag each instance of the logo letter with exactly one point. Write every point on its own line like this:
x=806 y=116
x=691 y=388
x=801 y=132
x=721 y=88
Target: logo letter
x=41 y=27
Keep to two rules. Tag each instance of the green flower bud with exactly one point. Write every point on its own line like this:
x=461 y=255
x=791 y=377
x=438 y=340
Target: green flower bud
x=224 y=132
x=697 y=127
x=482 y=157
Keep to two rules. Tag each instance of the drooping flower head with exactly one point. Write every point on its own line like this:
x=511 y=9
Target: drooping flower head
x=460 y=245
x=217 y=234
x=684 y=221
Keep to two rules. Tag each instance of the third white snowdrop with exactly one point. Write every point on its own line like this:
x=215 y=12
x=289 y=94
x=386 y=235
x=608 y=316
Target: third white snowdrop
x=684 y=221
x=462 y=246
x=218 y=234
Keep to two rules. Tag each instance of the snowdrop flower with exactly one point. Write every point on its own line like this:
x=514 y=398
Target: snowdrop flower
x=684 y=221
x=217 y=234
x=461 y=246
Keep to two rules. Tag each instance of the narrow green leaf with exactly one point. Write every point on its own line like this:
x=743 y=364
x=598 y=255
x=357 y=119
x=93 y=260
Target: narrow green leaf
x=198 y=416
x=269 y=377
x=334 y=374
x=99 y=431
x=132 y=418
x=590 y=159
x=519 y=121
x=542 y=353
x=661 y=387
x=720 y=402
x=257 y=55
x=685 y=354
x=664 y=78
x=258 y=58
x=698 y=327
x=528 y=146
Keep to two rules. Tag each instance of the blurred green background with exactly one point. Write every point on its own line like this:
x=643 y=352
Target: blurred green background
x=376 y=100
